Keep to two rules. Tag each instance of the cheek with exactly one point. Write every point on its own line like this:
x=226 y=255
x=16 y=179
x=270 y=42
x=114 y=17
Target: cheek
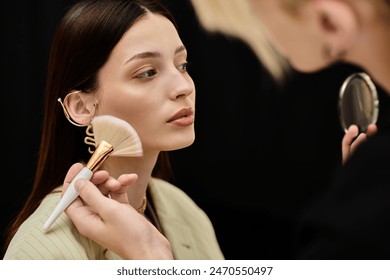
x=143 y=116
x=137 y=114
x=132 y=109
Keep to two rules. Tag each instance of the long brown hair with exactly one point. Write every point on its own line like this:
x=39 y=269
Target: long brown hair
x=82 y=44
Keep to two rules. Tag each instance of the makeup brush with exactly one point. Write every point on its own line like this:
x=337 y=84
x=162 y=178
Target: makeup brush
x=118 y=133
x=110 y=136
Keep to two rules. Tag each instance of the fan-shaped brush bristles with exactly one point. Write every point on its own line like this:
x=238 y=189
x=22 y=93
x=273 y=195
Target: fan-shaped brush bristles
x=119 y=133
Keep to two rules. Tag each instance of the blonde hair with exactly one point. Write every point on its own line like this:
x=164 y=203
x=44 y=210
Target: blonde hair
x=236 y=18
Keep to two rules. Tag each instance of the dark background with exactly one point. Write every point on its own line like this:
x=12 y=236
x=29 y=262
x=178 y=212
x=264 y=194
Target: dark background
x=261 y=152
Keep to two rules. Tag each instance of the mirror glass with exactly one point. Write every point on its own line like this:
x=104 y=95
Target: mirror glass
x=358 y=102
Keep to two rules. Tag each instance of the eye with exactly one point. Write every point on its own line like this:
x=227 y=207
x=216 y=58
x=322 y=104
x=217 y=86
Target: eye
x=183 y=67
x=147 y=74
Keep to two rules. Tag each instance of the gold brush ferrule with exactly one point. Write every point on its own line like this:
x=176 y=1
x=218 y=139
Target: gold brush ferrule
x=103 y=150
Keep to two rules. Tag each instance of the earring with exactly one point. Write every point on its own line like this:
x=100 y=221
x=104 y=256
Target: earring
x=66 y=111
x=89 y=139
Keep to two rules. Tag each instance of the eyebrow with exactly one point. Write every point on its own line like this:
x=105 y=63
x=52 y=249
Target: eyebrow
x=153 y=54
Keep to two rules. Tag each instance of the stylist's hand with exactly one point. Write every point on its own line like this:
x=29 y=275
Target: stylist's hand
x=352 y=139
x=112 y=222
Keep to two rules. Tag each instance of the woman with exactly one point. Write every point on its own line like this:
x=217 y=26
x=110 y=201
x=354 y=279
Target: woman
x=351 y=220
x=121 y=58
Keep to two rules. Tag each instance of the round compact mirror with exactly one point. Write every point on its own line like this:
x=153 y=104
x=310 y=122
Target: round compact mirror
x=358 y=102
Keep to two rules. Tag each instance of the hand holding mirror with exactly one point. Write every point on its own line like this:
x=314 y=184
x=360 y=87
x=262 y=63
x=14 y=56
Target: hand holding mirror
x=358 y=102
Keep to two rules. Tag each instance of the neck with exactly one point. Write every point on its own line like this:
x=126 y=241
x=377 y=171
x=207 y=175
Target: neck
x=142 y=166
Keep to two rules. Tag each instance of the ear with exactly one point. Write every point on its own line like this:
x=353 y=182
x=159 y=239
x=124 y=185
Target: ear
x=80 y=106
x=338 y=23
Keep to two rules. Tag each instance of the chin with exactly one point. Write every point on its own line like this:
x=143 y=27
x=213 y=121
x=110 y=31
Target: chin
x=308 y=67
x=180 y=144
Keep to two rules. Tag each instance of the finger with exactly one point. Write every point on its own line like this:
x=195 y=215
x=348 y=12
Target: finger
x=72 y=172
x=76 y=210
x=371 y=130
x=83 y=217
x=104 y=182
x=360 y=139
x=108 y=185
x=99 y=177
x=350 y=135
x=120 y=185
x=93 y=197
x=126 y=180
x=348 y=138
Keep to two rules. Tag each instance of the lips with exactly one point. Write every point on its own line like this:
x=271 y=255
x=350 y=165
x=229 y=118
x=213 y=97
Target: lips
x=184 y=117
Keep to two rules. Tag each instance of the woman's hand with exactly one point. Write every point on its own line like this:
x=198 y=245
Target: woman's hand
x=111 y=221
x=352 y=139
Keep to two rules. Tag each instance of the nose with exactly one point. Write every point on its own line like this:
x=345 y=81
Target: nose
x=182 y=85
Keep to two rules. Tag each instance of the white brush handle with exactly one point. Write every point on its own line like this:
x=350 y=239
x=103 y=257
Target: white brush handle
x=69 y=195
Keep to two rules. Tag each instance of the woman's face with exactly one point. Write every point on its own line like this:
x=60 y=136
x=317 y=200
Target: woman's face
x=293 y=36
x=145 y=82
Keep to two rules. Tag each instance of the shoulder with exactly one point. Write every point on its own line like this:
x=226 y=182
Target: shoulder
x=163 y=191
x=62 y=241
x=185 y=224
x=163 y=187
